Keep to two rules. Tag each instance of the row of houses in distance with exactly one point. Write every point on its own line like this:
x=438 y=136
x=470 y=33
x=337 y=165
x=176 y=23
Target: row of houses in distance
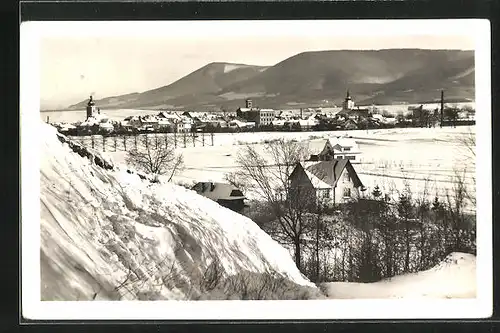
x=348 y=117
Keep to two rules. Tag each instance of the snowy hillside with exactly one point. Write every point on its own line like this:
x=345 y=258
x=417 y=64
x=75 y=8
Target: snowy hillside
x=454 y=277
x=107 y=233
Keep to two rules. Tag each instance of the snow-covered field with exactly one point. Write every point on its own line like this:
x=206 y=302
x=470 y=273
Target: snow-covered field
x=427 y=159
x=102 y=229
x=454 y=277
x=108 y=234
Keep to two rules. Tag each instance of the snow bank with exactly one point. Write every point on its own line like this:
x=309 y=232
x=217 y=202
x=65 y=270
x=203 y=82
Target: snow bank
x=454 y=277
x=107 y=233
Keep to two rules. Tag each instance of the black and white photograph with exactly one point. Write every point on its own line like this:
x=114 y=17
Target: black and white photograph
x=322 y=169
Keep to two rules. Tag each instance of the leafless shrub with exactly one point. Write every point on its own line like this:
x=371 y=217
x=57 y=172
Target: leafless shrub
x=157 y=157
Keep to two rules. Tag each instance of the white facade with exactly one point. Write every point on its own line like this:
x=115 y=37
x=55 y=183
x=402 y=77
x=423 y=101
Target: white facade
x=345 y=148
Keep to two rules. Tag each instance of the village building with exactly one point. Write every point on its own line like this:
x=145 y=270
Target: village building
x=319 y=150
x=261 y=117
x=149 y=122
x=350 y=124
x=348 y=103
x=240 y=124
x=225 y=195
x=344 y=148
x=349 y=111
x=328 y=182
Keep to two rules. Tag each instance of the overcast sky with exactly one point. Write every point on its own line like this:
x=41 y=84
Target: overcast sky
x=72 y=67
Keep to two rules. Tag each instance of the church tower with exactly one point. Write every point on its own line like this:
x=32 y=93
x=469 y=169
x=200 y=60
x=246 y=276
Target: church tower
x=348 y=102
x=91 y=108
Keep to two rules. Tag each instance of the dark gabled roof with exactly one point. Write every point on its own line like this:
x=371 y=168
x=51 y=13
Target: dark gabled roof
x=330 y=171
x=218 y=191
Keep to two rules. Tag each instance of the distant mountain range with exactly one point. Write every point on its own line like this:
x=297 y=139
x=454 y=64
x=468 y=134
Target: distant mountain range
x=315 y=79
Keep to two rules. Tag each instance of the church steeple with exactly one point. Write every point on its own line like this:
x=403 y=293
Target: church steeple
x=91 y=108
x=91 y=101
x=348 y=103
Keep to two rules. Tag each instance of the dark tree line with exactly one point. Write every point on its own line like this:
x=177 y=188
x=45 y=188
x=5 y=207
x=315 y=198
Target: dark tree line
x=376 y=238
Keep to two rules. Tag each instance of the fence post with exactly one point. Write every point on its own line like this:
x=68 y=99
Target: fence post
x=125 y=142
x=184 y=136
x=103 y=143
x=135 y=141
x=203 y=139
x=212 y=137
x=194 y=138
x=114 y=137
x=92 y=139
x=175 y=138
x=166 y=140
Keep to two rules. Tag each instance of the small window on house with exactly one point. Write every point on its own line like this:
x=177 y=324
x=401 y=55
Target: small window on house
x=350 y=157
x=325 y=193
x=347 y=148
x=347 y=192
x=346 y=176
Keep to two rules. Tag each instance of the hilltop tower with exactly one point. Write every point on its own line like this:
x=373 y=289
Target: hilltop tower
x=248 y=103
x=348 y=102
x=91 y=108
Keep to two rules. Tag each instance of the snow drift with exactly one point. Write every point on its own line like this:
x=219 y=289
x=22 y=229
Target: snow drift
x=454 y=277
x=108 y=233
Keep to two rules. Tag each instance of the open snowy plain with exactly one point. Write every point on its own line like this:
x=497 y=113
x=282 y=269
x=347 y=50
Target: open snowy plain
x=427 y=159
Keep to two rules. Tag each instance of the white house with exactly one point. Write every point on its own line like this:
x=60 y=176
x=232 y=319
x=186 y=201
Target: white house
x=345 y=148
x=319 y=150
x=185 y=124
x=329 y=182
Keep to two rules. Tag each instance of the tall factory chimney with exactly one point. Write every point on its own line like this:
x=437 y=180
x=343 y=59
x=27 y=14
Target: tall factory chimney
x=442 y=108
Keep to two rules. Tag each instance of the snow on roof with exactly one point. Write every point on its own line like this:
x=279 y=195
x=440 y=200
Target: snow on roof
x=343 y=142
x=316 y=182
x=330 y=171
x=316 y=146
x=218 y=191
x=278 y=122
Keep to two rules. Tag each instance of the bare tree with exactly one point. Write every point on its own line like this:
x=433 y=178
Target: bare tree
x=468 y=141
x=268 y=175
x=157 y=157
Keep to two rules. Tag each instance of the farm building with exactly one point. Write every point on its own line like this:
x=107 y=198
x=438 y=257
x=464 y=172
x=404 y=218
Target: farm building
x=319 y=150
x=329 y=182
x=224 y=194
x=344 y=148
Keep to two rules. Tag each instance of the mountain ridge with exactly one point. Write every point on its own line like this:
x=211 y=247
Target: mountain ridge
x=313 y=78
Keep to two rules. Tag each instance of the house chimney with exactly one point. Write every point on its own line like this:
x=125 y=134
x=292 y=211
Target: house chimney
x=212 y=187
x=442 y=108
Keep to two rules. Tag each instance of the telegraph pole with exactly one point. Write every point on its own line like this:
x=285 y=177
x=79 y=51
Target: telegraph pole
x=442 y=108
